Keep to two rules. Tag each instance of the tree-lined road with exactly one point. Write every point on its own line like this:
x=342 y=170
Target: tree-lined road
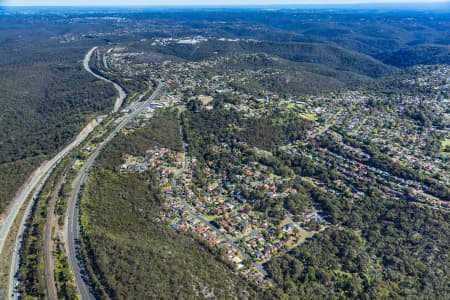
x=37 y=181
x=72 y=233
x=37 y=176
x=122 y=94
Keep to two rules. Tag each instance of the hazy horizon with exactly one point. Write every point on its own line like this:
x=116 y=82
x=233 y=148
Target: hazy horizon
x=212 y=2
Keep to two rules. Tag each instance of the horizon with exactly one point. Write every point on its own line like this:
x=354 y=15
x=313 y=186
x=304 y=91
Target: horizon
x=218 y=3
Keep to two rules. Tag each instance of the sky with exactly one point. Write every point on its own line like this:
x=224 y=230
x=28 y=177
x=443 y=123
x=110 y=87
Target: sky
x=194 y=2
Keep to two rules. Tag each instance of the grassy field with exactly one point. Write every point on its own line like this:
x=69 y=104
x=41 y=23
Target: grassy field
x=310 y=117
x=445 y=145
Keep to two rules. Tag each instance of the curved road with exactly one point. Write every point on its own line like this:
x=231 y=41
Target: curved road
x=36 y=183
x=122 y=94
x=72 y=232
x=39 y=177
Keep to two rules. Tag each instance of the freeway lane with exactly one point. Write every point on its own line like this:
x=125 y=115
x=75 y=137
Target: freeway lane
x=72 y=232
x=15 y=260
x=37 y=176
x=122 y=94
x=40 y=176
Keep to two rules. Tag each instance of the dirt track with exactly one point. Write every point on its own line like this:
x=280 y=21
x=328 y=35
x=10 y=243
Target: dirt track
x=49 y=266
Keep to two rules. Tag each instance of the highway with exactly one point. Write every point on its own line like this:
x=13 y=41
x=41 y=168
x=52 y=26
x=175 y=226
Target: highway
x=15 y=260
x=72 y=231
x=122 y=94
x=36 y=183
x=37 y=176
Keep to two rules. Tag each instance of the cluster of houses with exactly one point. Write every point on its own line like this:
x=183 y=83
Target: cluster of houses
x=353 y=168
x=217 y=213
x=183 y=220
x=436 y=77
x=221 y=201
x=221 y=212
x=183 y=41
x=164 y=160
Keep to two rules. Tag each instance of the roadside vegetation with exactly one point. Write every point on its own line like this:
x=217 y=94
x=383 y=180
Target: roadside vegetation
x=31 y=270
x=162 y=130
x=46 y=98
x=64 y=278
x=13 y=175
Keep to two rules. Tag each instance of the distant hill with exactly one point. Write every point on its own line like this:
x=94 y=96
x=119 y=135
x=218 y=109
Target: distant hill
x=328 y=55
x=295 y=77
x=321 y=55
x=418 y=55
